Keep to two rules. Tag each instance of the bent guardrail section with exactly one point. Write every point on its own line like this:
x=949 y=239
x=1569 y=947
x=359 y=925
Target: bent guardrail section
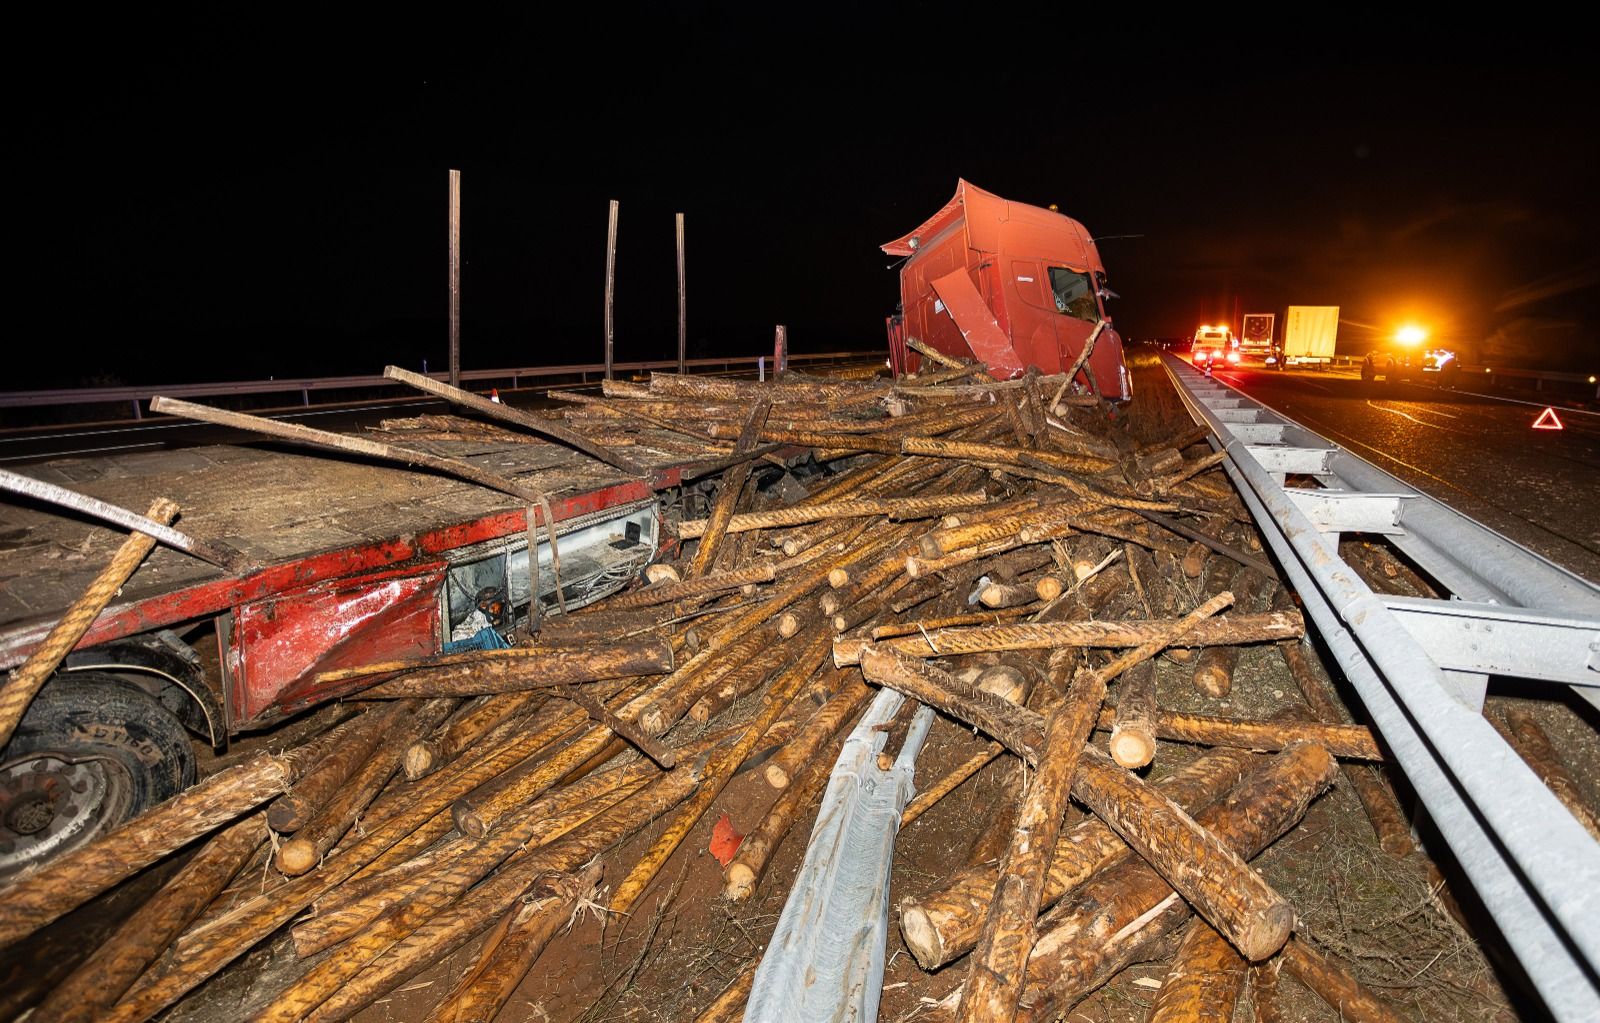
x=1420 y=667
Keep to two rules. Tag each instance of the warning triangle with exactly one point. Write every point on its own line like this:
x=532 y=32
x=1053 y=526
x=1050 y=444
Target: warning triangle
x=1548 y=420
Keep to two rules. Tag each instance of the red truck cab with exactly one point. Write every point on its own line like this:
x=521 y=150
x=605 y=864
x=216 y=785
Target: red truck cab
x=1012 y=285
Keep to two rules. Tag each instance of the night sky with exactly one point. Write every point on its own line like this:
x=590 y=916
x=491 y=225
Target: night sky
x=212 y=195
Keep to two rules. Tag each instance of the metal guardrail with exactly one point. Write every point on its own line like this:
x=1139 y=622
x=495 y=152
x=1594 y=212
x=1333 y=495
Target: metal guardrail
x=1420 y=667
x=306 y=385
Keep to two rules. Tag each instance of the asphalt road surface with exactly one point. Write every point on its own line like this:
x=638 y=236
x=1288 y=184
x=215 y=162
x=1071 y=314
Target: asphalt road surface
x=1478 y=453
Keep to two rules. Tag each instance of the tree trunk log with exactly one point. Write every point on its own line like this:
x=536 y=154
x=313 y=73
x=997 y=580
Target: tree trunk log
x=358 y=737
x=799 y=795
x=815 y=734
x=1533 y=746
x=1351 y=741
x=1203 y=983
x=97 y=982
x=897 y=508
x=1213 y=671
x=718 y=770
x=1232 y=629
x=78 y=876
x=401 y=726
x=1330 y=981
x=466 y=728
x=29 y=677
x=534 y=669
x=943 y=925
x=1133 y=731
x=486 y=989
x=1099 y=929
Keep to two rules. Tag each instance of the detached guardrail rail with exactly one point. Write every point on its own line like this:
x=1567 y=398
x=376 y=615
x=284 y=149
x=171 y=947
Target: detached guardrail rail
x=306 y=385
x=1421 y=668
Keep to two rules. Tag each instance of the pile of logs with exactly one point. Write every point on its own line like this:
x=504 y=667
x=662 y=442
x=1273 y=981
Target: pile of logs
x=1005 y=553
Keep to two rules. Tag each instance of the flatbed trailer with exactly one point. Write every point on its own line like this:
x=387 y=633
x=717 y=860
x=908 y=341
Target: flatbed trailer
x=353 y=562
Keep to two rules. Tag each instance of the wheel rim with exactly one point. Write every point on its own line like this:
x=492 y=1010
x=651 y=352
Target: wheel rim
x=50 y=804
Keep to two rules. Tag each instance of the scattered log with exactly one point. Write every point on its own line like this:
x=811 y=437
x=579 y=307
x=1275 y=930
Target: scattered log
x=1199 y=866
x=1264 y=995
x=717 y=772
x=1213 y=670
x=728 y=1007
x=487 y=674
x=78 y=876
x=1522 y=731
x=942 y=925
x=1330 y=981
x=1133 y=732
x=816 y=734
x=1376 y=797
x=402 y=725
x=1203 y=983
x=466 y=727
x=897 y=508
x=112 y=968
x=25 y=682
x=669 y=592
x=358 y=737
x=1353 y=741
x=745 y=869
x=728 y=491
x=1001 y=956
x=1104 y=923
x=489 y=985
x=1227 y=630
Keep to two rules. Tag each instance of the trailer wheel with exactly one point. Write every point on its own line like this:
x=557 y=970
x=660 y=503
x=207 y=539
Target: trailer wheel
x=91 y=752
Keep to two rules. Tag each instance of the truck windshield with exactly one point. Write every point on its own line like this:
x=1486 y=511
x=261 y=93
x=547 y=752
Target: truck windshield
x=1074 y=295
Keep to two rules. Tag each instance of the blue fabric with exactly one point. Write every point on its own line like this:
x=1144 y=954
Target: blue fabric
x=485 y=639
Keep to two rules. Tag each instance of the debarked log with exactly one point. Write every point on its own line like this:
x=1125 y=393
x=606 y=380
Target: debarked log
x=1224 y=631
x=1099 y=928
x=795 y=515
x=1352 y=741
x=1203 y=983
x=943 y=924
x=80 y=875
x=518 y=670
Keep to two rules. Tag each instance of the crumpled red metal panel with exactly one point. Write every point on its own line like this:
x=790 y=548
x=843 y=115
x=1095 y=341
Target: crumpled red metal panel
x=277 y=642
x=977 y=324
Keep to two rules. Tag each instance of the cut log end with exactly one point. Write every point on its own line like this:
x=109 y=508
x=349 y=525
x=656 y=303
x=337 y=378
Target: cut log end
x=921 y=937
x=418 y=760
x=287 y=815
x=295 y=857
x=1132 y=748
x=831 y=603
x=1267 y=933
x=1005 y=681
x=662 y=573
x=993 y=595
x=741 y=882
x=788 y=625
x=838 y=578
x=1049 y=588
x=776 y=776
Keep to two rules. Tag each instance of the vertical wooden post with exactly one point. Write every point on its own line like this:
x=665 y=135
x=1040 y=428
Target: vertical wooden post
x=683 y=300
x=455 y=278
x=780 y=351
x=611 y=278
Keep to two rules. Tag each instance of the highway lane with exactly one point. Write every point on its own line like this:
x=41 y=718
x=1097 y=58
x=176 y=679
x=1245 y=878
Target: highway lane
x=1478 y=453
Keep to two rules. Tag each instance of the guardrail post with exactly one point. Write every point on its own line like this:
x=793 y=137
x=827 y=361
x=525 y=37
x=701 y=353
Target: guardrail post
x=305 y=397
x=611 y=277
x=683 y=299
x=455 y=278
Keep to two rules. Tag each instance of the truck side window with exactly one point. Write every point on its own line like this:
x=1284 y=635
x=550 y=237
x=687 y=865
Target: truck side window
x=1074 y=294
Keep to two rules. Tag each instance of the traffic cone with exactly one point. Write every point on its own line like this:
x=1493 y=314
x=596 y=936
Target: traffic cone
x=494 y=395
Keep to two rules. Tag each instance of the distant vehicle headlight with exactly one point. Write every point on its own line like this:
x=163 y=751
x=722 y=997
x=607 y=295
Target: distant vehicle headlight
x=1233 y=356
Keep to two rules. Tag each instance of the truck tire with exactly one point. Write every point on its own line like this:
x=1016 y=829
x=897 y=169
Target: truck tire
x=91 y=752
